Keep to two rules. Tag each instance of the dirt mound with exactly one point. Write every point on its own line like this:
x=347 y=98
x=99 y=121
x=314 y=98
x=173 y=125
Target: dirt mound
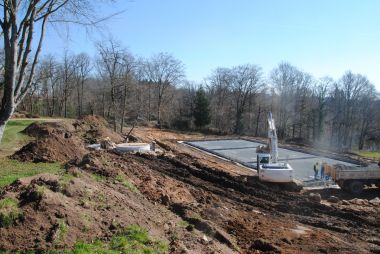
x=55 y=142
x=57 y=211
x=63 y=141
x=95 y=128
x=236 y=212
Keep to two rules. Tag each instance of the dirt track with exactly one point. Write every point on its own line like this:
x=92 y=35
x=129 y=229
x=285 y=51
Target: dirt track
x=222 y=201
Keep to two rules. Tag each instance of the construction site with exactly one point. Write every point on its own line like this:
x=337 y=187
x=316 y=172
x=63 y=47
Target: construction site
x=189 y=127
x=202 y=196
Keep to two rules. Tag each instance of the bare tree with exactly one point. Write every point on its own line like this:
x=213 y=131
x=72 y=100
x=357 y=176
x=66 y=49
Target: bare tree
x=22 y=22
x=82 y=63
x=321 y=90
x=129 y=66
x=219 y=86
x=67 y=71
x=246 y=81
x=111 y=68
x=164 y=71
x=285 y=79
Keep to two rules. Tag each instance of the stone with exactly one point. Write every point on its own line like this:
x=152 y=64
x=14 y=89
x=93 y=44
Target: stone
x=165 y=199
x=358 y=201
x=333 y=199
x=286 y=240
x=315 y=197
x=264 y=245
x=375 y=201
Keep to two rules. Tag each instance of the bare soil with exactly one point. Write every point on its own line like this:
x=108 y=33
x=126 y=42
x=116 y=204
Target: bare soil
x=225 y=206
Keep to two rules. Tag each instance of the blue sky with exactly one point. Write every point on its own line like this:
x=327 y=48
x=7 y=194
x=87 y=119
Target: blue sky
x=322 y=37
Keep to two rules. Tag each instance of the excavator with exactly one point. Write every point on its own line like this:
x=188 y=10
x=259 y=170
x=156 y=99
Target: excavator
x=268 y=167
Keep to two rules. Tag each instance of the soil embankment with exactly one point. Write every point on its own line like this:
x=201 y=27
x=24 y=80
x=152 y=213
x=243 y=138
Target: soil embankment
x=195 y=202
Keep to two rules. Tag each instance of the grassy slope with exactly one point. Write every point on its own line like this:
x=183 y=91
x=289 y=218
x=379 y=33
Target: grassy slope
x=13 y=138
x=10 y=170
x=369 y=154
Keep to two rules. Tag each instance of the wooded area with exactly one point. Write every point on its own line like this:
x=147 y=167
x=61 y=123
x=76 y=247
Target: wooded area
x=338 y=114
x=341 y=114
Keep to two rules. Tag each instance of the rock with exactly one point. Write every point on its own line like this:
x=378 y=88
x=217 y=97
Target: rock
x=264 y=245
x=315 y=197
x=358 y=201
x=107 y=144
x=375 y=201
x=345 y=202
x=333 y=199
x=204 y=239
x=374 y=241
x=165 y=199
x=286 y=240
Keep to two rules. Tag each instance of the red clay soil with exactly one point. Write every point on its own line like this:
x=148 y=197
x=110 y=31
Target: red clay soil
x=244 y=213
x=63 y=141
x=95 y=128
x=53 y=142
x=231 y=212
x=88 y=210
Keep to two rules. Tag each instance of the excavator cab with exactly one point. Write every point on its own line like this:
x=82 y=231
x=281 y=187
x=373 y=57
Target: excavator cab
x=262 y=159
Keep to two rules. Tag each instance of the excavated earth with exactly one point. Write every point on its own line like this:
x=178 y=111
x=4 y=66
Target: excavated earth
x=195 y=202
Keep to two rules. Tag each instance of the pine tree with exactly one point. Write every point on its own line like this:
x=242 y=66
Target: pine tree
x=201 y=109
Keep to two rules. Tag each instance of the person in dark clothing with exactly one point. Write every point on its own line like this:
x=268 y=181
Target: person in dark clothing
x=316 y=170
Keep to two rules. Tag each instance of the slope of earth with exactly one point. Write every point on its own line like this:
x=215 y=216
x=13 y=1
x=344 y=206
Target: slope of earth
x=169 y=140
x=56 y=211
x=246 y=215
x=195 y=202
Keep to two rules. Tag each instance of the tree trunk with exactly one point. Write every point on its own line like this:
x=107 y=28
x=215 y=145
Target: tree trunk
x=149 y=103
x=65 y=103
x=79 y=103
x=123 y=111
x=103 y=105
x=2 y=128
x=257 y=121
x=159 y=113
x=238 y=122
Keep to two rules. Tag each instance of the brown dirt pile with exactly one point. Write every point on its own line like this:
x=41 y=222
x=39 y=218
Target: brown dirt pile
x=61 y=210
x=95 y=128
x=63 y=141
x=55 y=142
x=243 y=212
x=225 y=211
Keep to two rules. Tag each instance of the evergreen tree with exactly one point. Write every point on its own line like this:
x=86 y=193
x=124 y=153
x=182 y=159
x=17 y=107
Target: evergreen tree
x=201 y=109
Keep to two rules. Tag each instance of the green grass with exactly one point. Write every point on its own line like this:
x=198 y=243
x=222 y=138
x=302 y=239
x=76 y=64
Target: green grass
x=124 y=181
x=13 y=138
x=62 y=230
x=369 y=154
x=133 y=240
x=183 y=223
x=99 y=178
x=9 y=211
x=11 y=170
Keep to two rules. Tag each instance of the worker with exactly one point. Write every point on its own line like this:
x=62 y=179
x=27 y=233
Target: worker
x=323 y=170
x=316 y=170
